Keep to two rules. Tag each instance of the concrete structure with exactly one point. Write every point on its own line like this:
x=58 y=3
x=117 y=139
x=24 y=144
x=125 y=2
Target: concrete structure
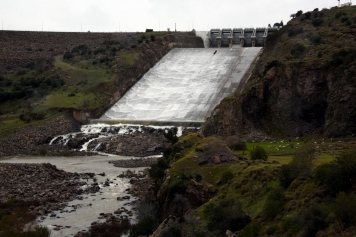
x=183 y=87
x=248 y=37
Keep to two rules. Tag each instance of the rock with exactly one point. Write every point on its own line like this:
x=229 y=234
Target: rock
x=217 y=160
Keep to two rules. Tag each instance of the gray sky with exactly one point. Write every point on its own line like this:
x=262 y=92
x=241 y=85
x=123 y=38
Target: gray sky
x=137 y=15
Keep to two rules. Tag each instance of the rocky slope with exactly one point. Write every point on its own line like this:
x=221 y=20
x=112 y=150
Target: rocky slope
x=303 y=84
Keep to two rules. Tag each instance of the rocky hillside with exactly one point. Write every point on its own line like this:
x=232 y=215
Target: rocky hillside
x=303 y=84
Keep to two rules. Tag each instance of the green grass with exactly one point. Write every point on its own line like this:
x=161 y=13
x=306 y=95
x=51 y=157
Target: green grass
x=62 y=100
x=129 y=57
x=10 y=123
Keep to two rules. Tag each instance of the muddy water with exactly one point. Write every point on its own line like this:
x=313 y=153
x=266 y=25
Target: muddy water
x=79 y=214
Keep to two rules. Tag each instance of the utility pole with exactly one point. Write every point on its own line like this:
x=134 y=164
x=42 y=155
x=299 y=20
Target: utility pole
x=339 y=3
x=175 y=27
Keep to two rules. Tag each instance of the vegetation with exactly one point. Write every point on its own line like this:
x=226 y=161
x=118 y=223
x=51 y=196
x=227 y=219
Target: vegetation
x=13 y=218
x=290 y=193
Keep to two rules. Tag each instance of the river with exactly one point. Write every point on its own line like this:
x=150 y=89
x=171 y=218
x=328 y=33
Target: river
x=79 y=214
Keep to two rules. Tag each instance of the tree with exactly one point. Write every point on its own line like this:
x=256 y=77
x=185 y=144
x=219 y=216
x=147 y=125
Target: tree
x=300 y=12
x=302 y=162
x=281 y=24
x=259 y=154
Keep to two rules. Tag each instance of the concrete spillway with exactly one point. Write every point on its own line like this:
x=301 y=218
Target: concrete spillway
x=183 y=87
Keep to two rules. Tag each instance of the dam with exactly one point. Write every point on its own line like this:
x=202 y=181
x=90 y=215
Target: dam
x=183 y=88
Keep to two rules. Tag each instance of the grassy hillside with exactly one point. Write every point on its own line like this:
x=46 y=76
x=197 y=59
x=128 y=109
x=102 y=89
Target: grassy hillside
x=88 y=76
x=305 y=191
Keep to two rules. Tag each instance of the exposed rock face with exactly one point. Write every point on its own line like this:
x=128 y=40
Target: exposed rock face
x=289 y=103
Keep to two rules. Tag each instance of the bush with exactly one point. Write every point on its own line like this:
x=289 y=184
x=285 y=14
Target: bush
x=298 y=50
x=171 y=135
x=307 y=15
x=338 y=174
x=314 y=220
x=291 y=226
x=177 y=188
x=285 y=176
x=345 y=208
x=226 y=177
x=274 y=203
x=316 y=39
x=317 y=22
x=295 y=31
x=198 y=177
x=271 y=64
x=299 y=13
x=251 y=230
x=234 y=143
x=259 y=154
x=227 y=215
x=302 y=162
x=144 y=227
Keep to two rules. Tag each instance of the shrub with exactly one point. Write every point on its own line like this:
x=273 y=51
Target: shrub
x=314 y=220
x=338 y=14
x=274 y=203
x=157 y=170
x=345 y=208
x=144 y=227
x=299 y=13
x=302 y=162
x=226 y=215
x=307 y=15
x=295 y=31
x=298 y=50
x=171 y=135
x=285 y=176
x=291 y=226
x=271 y=64
x=198 y=177
x=317 y=22
x=234 y=143
x=338 y=174
x=177 y=188
x=226 y=177
x=251 y=230
x=153 y=38
x=259 y=154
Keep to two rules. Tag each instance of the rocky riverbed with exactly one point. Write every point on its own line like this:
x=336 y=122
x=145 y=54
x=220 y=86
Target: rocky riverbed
x=42 y=182
x=71 y=204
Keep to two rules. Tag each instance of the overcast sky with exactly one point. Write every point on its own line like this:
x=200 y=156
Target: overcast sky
x=137 y=15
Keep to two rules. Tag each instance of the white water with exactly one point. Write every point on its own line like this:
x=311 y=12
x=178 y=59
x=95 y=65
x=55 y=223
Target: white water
x=185 y=85
x=104 y=202
x=111 y=130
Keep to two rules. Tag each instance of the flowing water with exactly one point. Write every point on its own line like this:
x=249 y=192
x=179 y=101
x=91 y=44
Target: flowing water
x=79 y=214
